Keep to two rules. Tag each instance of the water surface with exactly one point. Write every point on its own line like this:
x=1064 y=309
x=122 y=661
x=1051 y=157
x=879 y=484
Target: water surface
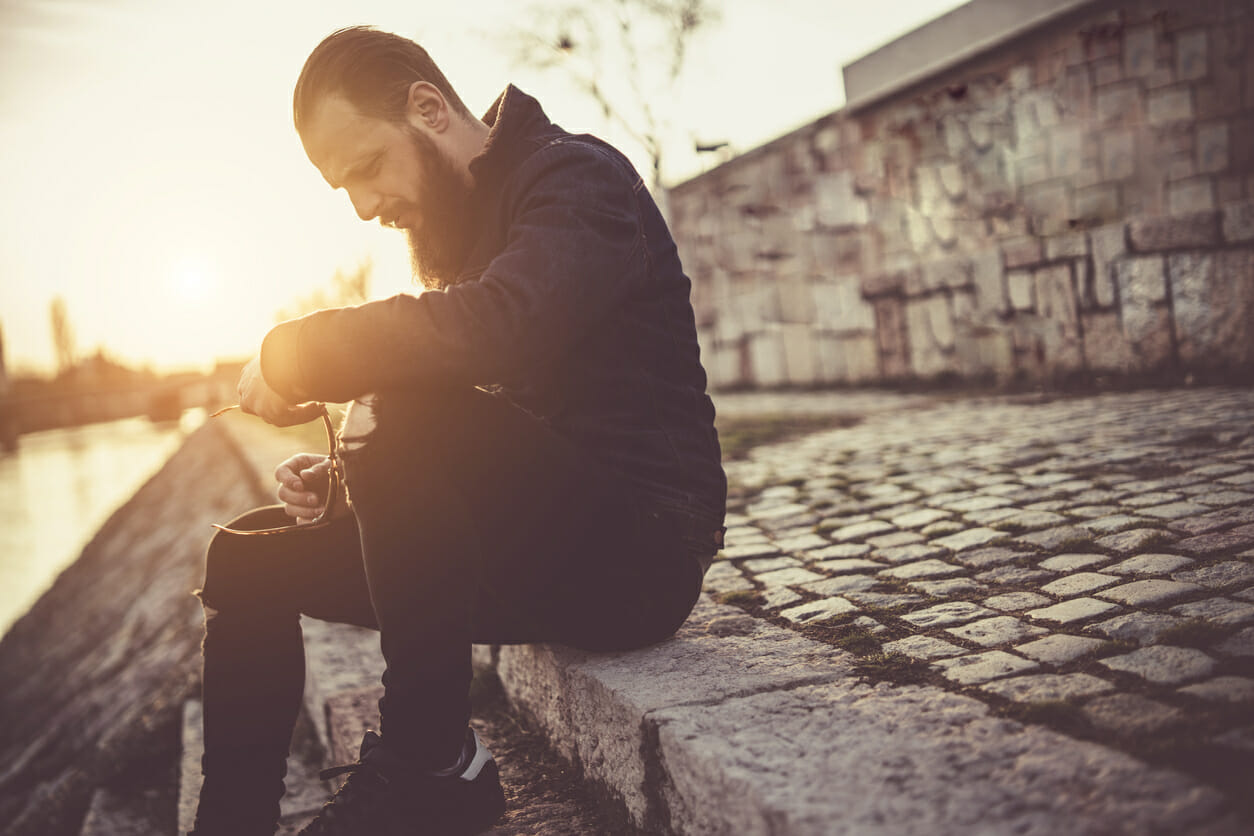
x=60 y=486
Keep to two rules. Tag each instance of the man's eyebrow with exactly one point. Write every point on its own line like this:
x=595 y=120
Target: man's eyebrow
x=355 y=169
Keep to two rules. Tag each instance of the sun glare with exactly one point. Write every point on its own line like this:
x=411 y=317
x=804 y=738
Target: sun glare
x=192 y=282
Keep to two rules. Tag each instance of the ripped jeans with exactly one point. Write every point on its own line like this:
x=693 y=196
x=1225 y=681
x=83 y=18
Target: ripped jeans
x=471 y=522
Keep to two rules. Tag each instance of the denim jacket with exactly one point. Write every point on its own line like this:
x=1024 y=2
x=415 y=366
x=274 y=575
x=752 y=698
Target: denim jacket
x=572 y=303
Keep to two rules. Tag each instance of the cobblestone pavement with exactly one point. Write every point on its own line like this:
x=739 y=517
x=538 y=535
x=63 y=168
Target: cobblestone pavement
x=1086 y=563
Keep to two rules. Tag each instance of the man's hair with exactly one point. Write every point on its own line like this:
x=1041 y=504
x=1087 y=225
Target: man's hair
x=373 y=70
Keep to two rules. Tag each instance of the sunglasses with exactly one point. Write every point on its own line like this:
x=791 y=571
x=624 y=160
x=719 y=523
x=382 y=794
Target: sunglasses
x=333 y=485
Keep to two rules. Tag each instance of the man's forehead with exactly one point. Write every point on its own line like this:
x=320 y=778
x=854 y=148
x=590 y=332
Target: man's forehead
x=336 y=133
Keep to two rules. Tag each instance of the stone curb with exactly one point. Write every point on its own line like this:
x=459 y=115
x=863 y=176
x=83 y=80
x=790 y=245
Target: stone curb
x=738 y=726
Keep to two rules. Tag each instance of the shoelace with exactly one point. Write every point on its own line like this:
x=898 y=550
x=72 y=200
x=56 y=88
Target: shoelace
x=354 y=801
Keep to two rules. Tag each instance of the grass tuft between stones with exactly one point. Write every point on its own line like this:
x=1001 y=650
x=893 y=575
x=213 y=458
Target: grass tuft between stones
x=1193 y=633
x=892 y=667
x=740 y=597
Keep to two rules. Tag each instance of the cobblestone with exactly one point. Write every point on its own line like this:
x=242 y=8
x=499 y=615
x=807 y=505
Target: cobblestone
x=1240 y=644
x=922 y=569
x=845 y=566
x=1140 y=627
x=818 y=610
x=1223 y=688
x=1085 y=527
x=982 y=667
x=1135 y=540
x=905 y=554
x=1150 y=564
x=1130 y=715
x=1016 y=601
x=1071 y=562
x=995 y=631
x=923 y=647
x=1048 y=687
x=1068 y=612
x=1222 y=611
x=1059 y=648
x=1219 y=575
x=1078 y=584
x=947 y=587
x=970 y=538
x=770 y=564
x=840 y=585
x=993 y=556
x=787 y=577
x=1148 y=593
x=841 y=550
x=1163 y=664
x=943 y=615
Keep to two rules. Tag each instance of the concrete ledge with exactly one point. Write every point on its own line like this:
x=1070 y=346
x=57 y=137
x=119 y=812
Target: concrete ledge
x=738 y=726
x=950 y=39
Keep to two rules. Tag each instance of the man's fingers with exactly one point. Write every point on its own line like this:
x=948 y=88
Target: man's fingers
x=289 y=416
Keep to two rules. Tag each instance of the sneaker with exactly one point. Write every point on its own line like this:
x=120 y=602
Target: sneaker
x=384 y=796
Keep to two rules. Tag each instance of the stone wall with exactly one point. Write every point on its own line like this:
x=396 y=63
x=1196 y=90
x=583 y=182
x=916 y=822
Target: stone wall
x=1076 y=201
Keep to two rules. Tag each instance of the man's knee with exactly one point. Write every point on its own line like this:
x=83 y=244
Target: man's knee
x=241 y=570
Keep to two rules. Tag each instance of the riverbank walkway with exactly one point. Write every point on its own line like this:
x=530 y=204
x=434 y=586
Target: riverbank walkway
x=946 y=615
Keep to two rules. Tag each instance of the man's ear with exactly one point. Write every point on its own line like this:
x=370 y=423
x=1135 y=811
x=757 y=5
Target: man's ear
x=426 y=107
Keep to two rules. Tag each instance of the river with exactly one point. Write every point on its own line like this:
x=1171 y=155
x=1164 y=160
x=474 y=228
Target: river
x=60 y=486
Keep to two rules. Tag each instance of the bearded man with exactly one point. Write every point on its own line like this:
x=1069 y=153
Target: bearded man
x=529 y=456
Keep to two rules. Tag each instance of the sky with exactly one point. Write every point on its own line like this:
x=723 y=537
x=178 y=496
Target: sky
x=151 y=176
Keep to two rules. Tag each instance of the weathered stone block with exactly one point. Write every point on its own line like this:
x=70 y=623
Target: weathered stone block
x=839 y=306
x=1212 y=147
x=931 y=335
x=1171 y=104
x=1139 y=51
x=1191 y=54
x=950 y=272
x=984 y=352
x=799 y=354
x=1066 y=150
x=1141 y=280
x=892 y=336
x=1120 y=104
x=1188 y=196
x=990 y=289
x=796 y=301
x=766 y=359
x=1050 y=206
x=1019 y=288
x=1118 y=154
x=851 y=359
x=885 y=284
x=1200 y=229
x=1096 y=204
x=1107 y=244
x=1021 y=252
x=1238 y=222
x=1213 y=302
x=836 y=203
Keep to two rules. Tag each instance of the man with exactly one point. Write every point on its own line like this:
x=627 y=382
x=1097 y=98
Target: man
x=530 y=455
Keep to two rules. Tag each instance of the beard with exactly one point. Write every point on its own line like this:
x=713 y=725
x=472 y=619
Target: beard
x=439 y=246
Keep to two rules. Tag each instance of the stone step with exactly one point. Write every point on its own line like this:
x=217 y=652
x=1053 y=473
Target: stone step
x=736 y=725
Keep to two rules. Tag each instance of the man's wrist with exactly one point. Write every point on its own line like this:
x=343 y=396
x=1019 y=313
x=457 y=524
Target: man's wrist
x=280 y=362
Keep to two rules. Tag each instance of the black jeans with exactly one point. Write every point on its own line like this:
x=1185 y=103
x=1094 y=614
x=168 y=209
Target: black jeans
x=472 y=523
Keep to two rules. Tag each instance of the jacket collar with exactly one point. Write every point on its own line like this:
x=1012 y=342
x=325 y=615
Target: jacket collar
x=513 y=118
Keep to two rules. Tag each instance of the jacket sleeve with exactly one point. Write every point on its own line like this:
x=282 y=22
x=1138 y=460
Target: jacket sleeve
x=574 y=250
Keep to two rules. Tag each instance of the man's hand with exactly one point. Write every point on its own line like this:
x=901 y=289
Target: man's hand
x=303 y=485
x=257 y=398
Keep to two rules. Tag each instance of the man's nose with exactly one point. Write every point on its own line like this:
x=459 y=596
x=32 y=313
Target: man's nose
x=365 y=202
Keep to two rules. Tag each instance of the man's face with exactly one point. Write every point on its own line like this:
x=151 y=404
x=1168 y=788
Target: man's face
x=396 y=173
